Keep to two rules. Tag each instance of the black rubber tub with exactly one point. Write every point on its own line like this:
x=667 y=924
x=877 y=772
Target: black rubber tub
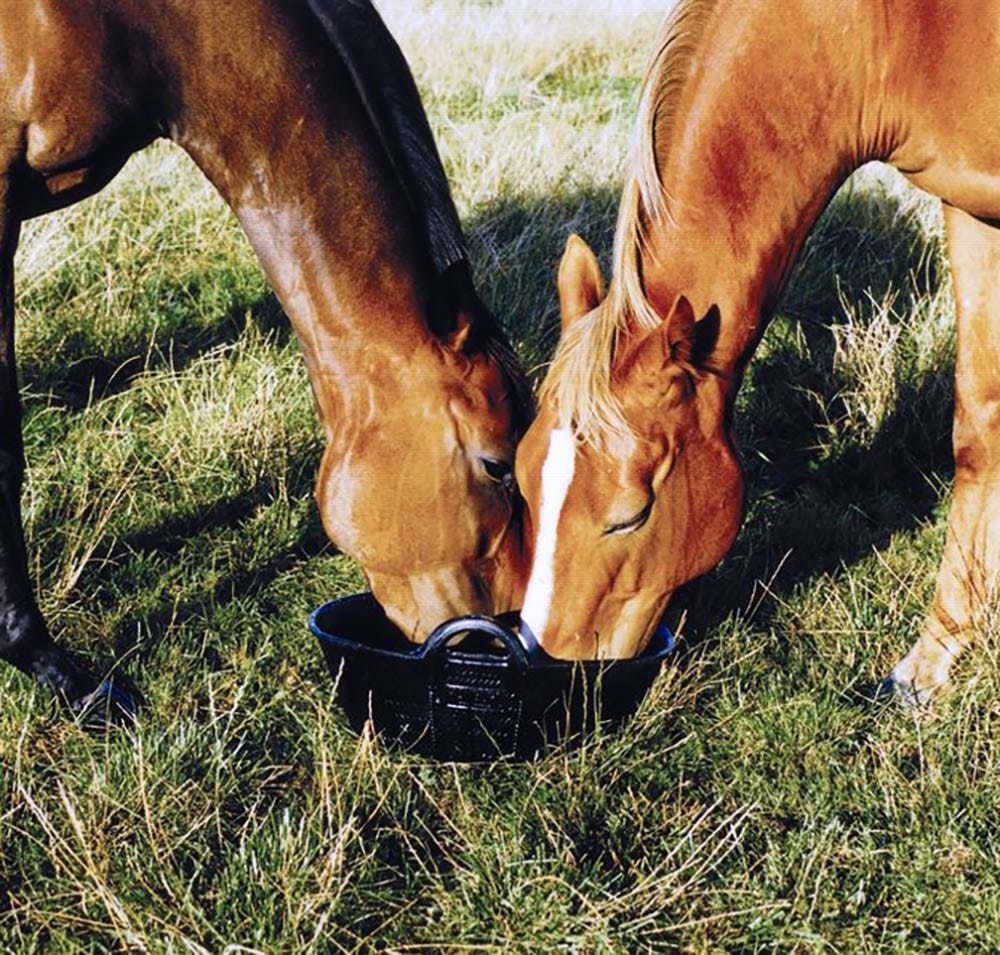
x=478 y=689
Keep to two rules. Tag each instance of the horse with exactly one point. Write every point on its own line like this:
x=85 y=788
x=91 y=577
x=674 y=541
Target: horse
x=305 y=117
x=751 y=116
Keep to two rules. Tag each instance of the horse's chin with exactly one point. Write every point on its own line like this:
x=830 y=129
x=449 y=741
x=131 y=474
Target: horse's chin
x=420 y=602
x=621 y=629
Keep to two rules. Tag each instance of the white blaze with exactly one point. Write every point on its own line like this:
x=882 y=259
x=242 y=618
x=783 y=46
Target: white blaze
x=557 y=475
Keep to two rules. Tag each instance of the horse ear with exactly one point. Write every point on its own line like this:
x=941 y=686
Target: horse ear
x=689 y=341
x=460 y=336
x=456 y=315
x=679 y=331
x=581 y=287
x=679 y=339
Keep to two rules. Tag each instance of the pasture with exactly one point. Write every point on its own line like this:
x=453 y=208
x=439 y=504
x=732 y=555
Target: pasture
x=755 y=804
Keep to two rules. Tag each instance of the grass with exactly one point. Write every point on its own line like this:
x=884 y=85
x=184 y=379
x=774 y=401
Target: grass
x=753 y=805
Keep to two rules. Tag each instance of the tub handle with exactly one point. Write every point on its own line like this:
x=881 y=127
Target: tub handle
x=522 y=645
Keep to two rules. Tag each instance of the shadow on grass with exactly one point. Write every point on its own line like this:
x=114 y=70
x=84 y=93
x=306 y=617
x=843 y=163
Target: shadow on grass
x=863 y=246
x=177 y=535
x=804 y=522
x=242 y=584
x=516 y=243
x=79 y=377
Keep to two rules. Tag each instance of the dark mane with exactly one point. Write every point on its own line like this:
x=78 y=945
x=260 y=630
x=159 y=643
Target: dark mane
x=389 y=93
x=386 y=86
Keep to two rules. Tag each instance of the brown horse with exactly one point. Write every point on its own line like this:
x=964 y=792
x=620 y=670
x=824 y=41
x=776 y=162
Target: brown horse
x=753 y=114
x=305 y=117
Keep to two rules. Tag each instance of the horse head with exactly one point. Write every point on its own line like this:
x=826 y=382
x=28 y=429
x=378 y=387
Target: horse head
x=629 y=474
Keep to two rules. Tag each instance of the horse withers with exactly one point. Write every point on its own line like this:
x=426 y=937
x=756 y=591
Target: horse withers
x=752 y=115
x=305 y=117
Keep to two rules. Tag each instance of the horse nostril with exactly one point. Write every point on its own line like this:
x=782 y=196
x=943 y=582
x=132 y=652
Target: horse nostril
x=500 y=471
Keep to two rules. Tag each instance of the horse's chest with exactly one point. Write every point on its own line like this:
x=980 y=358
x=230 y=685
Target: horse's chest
x=61 y=84
x=972 y=187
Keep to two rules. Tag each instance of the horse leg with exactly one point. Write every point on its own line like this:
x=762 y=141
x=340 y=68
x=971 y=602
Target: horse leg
x=25 y=641
x=968 y=575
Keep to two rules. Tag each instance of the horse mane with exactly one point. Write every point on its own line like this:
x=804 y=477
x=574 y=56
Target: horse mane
x=383 y=80
x=580 y=378
x=390 y=97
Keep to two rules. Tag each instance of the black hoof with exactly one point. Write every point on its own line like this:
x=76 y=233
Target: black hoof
x=95 y=704
x=885 y=691
x=891 y=691
x=111 y=704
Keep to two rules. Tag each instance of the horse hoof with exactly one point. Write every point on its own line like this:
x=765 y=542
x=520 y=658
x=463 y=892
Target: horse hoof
x=110 y=705
x=884 y=691
x=900 y=692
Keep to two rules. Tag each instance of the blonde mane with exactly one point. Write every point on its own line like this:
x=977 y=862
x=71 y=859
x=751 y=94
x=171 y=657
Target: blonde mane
x=580 y=376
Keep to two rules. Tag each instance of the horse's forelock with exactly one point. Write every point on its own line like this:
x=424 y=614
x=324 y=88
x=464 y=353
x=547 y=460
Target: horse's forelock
x=522 y=396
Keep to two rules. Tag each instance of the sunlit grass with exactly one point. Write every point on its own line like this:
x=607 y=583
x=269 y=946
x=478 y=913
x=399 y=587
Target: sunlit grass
x=755 y=804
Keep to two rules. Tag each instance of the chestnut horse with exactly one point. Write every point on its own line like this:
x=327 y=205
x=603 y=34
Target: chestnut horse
x=305 y=117
x=752 y=115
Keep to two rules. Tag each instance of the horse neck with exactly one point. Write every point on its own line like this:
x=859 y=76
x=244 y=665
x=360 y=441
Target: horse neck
x=781 y=103
x=270 y=115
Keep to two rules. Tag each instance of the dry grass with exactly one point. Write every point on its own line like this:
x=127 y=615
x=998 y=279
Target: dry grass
x=753 y=805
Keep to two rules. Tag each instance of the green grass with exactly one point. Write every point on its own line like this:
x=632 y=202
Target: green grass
x=753 y=805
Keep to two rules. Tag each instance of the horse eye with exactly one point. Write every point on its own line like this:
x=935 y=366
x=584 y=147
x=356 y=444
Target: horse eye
x=500 y=471
x=634 y=523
